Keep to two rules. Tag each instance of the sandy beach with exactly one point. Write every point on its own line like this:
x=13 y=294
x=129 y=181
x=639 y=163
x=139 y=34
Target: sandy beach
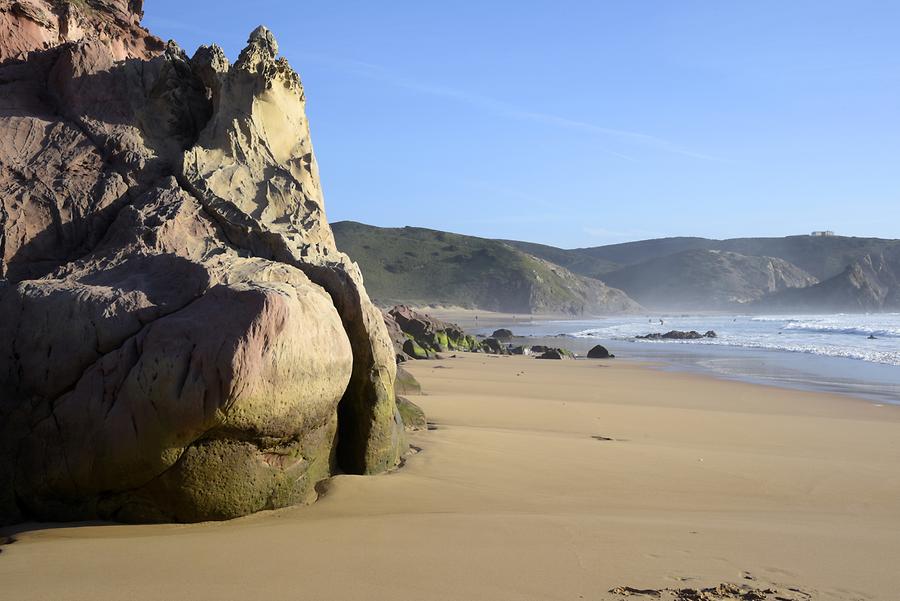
x=541 y=480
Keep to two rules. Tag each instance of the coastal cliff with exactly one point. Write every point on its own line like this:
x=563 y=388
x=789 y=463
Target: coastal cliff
x=180 y=339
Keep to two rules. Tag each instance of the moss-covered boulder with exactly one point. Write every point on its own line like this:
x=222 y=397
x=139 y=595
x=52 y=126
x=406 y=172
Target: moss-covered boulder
x=417 y=335
x=420 y=336
x=414 y=349
x=544 y=352
x=406 y=383
x=412 y=415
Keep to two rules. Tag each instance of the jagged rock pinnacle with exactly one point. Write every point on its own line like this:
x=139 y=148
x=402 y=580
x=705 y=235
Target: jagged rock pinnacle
x=262 y=37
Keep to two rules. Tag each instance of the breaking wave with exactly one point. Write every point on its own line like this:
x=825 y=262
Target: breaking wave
x=837 y=335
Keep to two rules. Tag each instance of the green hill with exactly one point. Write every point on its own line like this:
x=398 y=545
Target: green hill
x=421 y=266
x=821 y=256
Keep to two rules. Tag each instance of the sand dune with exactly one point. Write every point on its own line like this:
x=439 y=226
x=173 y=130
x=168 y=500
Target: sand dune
x=518 y=494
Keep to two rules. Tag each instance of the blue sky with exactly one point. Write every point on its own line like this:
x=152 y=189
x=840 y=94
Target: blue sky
x=592 y=122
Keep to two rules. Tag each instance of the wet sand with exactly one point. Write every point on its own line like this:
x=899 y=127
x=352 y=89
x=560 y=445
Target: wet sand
x=543 y=480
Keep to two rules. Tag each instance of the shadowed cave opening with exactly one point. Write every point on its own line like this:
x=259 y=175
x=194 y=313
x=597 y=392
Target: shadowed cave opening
x=349 y=455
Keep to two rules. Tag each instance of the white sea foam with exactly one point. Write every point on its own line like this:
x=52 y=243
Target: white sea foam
x=839 y=335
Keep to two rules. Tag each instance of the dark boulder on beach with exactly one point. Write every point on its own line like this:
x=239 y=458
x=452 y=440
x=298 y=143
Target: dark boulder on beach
x=502 y=335
x=599 y=352
x=494 y=347
x=553 y=353
x=678 y=335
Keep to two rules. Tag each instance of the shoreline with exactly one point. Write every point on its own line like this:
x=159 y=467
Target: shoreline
x=598 y=473
x=805 y=371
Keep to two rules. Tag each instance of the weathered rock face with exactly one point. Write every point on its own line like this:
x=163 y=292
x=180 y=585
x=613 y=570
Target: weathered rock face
x=29 y=25
x=179 y=338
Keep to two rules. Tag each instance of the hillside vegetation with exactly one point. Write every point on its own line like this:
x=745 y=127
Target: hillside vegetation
x=796 y=273
x=422 y=266
x=822 y=257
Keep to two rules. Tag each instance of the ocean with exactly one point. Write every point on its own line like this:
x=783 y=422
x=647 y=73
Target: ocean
x=855 y=354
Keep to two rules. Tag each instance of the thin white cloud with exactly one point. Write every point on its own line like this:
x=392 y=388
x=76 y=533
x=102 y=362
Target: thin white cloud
x=508 y=110
x=629 y=136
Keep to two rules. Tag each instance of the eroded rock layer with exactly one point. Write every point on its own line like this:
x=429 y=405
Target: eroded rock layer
x=29 y=25
x=179 y=337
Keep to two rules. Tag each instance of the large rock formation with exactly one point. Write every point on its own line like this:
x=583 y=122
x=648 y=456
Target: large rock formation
x=179 y=337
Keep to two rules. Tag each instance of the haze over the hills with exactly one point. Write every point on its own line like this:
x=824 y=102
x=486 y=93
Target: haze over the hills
x=795 y=273
x=421 y=266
